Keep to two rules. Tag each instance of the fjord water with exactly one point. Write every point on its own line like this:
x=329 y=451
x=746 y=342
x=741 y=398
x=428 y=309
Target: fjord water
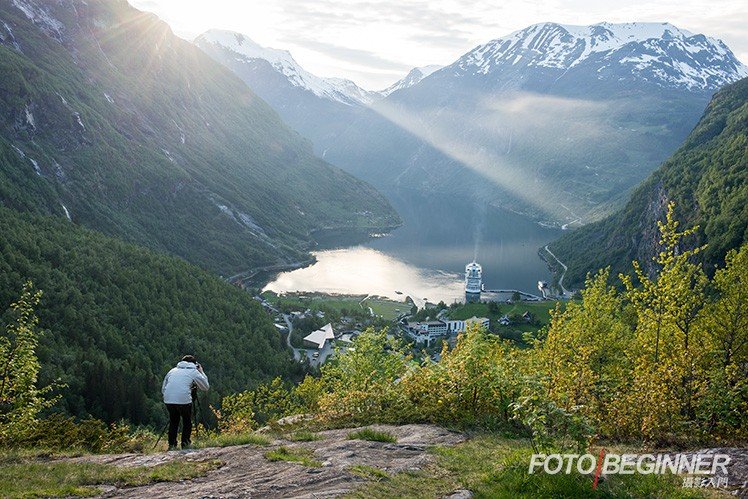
x=426 y=257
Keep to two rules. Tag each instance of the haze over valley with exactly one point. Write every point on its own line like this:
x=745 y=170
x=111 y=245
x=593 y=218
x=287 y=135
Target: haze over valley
x=406 y=268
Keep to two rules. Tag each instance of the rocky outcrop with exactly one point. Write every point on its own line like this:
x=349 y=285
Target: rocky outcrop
x=247 y=473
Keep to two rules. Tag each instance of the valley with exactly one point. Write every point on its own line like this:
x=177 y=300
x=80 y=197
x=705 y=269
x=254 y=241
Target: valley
x=414 y=259
x=556 y=122
x=425 y=258
x=105 y=110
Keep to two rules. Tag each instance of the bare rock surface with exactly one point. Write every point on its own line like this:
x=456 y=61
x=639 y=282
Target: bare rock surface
x=247 y=473
x=737 y=468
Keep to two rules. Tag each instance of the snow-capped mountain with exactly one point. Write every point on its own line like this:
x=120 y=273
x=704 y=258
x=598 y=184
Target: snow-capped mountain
x=414 y=76
x=655 y=52
x=246 y=50
x=557 y=122
x=554 y=121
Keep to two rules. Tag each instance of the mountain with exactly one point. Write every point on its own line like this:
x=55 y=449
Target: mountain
x=414 y=76
x=115 y=123
x=556 y=122
x=318 y=108
x=647 y=53
x=245 y=51
x=707 y=178
x=115 y=317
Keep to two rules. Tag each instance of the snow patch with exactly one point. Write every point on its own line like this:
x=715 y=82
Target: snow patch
x=336 y=89
x=182 y=136
x=413 y=77
x=77 y=117
x=12 y=37
x=39 y=15
x=30 y=117
x=168 y=155
x=59 y=172
x=36 y=167
x=108 y=98
x=241 y=218
x=675 y=56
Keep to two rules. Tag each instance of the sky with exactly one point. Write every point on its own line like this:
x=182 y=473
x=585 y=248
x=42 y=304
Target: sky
x=376 y=42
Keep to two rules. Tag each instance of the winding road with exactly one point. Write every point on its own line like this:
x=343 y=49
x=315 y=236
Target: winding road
x=564 y=291
x=323 y=354
x=289 y=325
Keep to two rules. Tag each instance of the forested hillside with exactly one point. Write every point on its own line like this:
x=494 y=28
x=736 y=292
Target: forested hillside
x=110 y=119
x=115 y=317
x=708 y=180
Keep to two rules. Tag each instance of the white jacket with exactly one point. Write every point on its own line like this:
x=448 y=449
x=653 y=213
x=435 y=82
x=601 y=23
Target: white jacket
x=178 y=383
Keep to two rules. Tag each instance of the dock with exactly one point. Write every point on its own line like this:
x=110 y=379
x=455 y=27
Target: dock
x=504 y=294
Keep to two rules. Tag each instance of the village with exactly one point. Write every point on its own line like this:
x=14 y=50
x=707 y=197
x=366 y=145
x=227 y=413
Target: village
x=314 y=325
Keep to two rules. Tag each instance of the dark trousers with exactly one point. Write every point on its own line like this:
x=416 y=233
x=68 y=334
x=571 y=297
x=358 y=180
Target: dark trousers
x=177 y=412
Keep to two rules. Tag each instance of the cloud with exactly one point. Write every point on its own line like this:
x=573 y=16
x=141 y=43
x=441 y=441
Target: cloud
x=357 y=56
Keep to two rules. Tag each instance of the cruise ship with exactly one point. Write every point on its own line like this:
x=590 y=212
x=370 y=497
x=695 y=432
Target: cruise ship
x=473 y=281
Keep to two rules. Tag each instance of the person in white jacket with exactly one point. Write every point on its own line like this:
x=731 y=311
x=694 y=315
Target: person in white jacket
x=177 y=391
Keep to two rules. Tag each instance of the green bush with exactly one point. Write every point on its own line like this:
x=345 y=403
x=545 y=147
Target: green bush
x=58 y=432
x=654 y=362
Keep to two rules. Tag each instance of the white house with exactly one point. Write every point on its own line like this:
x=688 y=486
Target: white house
x=455 y=326
x=427 y=331
x=318 y=338
x=483 y=322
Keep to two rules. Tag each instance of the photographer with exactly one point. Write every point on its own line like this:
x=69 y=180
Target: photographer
x=177 y=391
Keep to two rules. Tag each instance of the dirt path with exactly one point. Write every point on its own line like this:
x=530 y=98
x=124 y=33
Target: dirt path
x=246 y=472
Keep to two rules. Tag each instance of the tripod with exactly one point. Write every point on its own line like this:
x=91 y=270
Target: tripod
x=161 y=435
x=196 y=411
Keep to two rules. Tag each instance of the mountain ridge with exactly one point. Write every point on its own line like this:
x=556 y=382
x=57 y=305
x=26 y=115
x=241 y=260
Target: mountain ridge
x=707 y=178
x=562 y=46
x=336 y=89
x=555 y=122
x=121 y=126
x=414 y=76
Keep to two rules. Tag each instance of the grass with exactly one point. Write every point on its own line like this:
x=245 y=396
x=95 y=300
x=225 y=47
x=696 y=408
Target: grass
x=387 y=309
x=314 y=300
x=64 y=478
x=515 y=331
x=369 y=472
x=372 y=435
x=304 y=436
x=541 y=310
x=494 y=467
x=426 y=484
x=293 y=455
x=229 y=439
x=11 y=456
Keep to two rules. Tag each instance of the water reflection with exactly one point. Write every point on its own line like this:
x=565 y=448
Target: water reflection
x=426 y=257
x=361 y=270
